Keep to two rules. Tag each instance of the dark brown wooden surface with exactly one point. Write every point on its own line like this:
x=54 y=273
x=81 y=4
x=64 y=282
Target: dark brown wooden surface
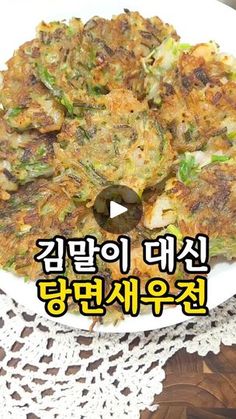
x=198 y=388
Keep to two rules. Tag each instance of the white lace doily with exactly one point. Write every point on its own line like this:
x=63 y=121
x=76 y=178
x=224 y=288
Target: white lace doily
x=51 y=371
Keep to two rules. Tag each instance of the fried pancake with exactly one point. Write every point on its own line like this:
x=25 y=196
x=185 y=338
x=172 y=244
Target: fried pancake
x=39 y=210
x=24 y=157
x=86 y=62
x=46 y=209
x=26 y=101
x=108 y=148
x=73 y=66
x=207 y=205
x=195 y=93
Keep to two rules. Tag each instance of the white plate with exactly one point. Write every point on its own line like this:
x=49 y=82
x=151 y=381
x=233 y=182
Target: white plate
x=196 y=21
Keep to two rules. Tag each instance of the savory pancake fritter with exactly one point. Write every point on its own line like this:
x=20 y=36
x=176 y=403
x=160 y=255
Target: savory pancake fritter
x=205 y=203
x=24 y=157
x=45 y=209
x=195 y=92
x=27 y=102
x=208 y=204
x=42 y=209
x=78 y=65
x=83 y=63
x=114 y=148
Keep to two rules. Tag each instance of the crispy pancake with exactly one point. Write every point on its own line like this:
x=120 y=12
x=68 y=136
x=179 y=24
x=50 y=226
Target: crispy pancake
x=24 y=157
x=45 y=209
x=73 y=66
x=203 y=204
x=39 y=210
x=86 y=62
x=27 y=102
x=207 y=205
x=108 y=148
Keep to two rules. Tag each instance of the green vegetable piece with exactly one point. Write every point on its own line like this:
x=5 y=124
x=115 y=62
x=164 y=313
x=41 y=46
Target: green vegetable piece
x=68 y=105
x=184 y=47
x=42 y=151
x=188 y=169
x=218 y=158
x=232 y=76
x=172 y=229
x=46 y=78
x=12 y=113
x=50 y=82
x=10 y=264
x=71 y=31
x=36 y=170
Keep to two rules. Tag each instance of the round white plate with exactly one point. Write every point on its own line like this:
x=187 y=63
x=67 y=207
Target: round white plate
x=195 y=21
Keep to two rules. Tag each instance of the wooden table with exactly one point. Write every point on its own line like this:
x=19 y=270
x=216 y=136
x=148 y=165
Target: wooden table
x=198 y=388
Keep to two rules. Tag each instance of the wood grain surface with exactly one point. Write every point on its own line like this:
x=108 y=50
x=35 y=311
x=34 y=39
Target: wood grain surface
x=198 y=388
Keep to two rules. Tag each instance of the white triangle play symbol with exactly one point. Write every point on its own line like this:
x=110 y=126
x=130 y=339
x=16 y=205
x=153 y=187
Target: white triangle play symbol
x=116 y=209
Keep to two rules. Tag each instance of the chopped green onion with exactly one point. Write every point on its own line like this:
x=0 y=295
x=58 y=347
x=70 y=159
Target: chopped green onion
x=70 y=31
x=42 y=151
x=232 y=135
x=50 y=82
x=35 y=170
x=10 y=263
x=219 y=158
x=46 y=78
x=14 y=112
x=184 y=46
x=188 y=169
x=68 y=105
x=172 y=229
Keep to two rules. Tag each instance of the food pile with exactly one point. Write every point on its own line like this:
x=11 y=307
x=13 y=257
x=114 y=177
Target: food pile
x=120 y=101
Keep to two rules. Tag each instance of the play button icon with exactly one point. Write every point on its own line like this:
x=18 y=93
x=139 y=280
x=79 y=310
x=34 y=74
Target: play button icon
x=118 y=209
